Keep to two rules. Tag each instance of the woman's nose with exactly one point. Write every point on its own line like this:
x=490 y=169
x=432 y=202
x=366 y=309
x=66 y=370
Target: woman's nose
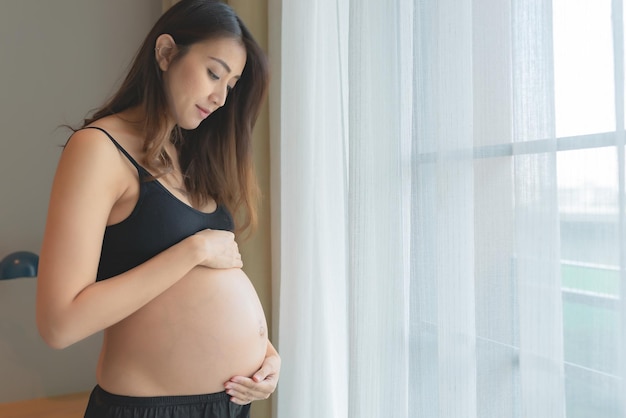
x=218 y=97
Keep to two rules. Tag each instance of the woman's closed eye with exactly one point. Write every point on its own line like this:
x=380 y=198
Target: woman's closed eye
x=213 y=75
x=216 y=77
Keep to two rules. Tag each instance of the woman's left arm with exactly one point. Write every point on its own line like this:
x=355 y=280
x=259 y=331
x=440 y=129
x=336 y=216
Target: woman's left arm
x=243 y=390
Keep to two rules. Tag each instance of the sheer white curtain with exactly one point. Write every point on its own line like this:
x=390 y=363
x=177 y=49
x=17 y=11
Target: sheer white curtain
x=311 y=225
x=428 y=261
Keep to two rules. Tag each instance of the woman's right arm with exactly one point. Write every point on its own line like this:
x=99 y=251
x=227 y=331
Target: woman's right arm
x=71 y=305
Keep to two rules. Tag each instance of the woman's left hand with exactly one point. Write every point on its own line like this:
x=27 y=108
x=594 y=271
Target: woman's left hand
x=243 y=390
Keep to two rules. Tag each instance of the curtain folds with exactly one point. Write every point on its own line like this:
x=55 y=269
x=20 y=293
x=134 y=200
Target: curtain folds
x=423 y=254
x=443 y=349
x=380 y=123
x=312 y=208
x=536 y=222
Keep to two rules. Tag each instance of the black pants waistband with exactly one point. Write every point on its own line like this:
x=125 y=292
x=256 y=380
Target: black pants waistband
x=123 y=400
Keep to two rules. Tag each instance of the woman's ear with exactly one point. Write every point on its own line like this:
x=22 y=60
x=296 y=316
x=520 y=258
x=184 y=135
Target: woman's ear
x=164 y=51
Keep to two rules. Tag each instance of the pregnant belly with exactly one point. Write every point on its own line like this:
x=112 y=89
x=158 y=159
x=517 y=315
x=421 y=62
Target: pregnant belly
x=205 y=329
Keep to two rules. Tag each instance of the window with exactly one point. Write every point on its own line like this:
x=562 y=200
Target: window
x=589 y=188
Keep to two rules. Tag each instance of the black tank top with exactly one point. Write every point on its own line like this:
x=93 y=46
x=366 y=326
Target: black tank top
x=158 y=221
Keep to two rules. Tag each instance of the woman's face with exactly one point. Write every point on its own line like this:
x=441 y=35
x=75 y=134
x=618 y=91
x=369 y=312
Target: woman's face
x=197 y=83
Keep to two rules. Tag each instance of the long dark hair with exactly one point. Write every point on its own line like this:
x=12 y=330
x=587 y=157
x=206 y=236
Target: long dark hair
x=216 y=157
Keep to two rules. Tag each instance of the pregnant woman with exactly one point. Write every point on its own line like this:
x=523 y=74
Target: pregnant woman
x=140 y=235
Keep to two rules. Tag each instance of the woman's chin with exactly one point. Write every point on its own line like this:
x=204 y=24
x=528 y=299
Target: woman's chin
x=189 y=125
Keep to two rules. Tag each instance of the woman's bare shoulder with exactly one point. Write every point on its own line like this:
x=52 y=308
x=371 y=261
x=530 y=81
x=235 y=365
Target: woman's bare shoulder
x=105 y=136
x=91 y=157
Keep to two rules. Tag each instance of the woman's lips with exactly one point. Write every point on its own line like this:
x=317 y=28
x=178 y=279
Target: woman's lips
x=203 y=112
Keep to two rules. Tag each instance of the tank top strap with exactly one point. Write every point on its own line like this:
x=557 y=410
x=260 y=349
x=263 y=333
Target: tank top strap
x=119 y=147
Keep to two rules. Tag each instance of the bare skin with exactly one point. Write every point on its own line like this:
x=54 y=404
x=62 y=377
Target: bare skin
x=188 y=321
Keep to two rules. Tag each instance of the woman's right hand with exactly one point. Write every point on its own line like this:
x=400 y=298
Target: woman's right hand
x=219 y=249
